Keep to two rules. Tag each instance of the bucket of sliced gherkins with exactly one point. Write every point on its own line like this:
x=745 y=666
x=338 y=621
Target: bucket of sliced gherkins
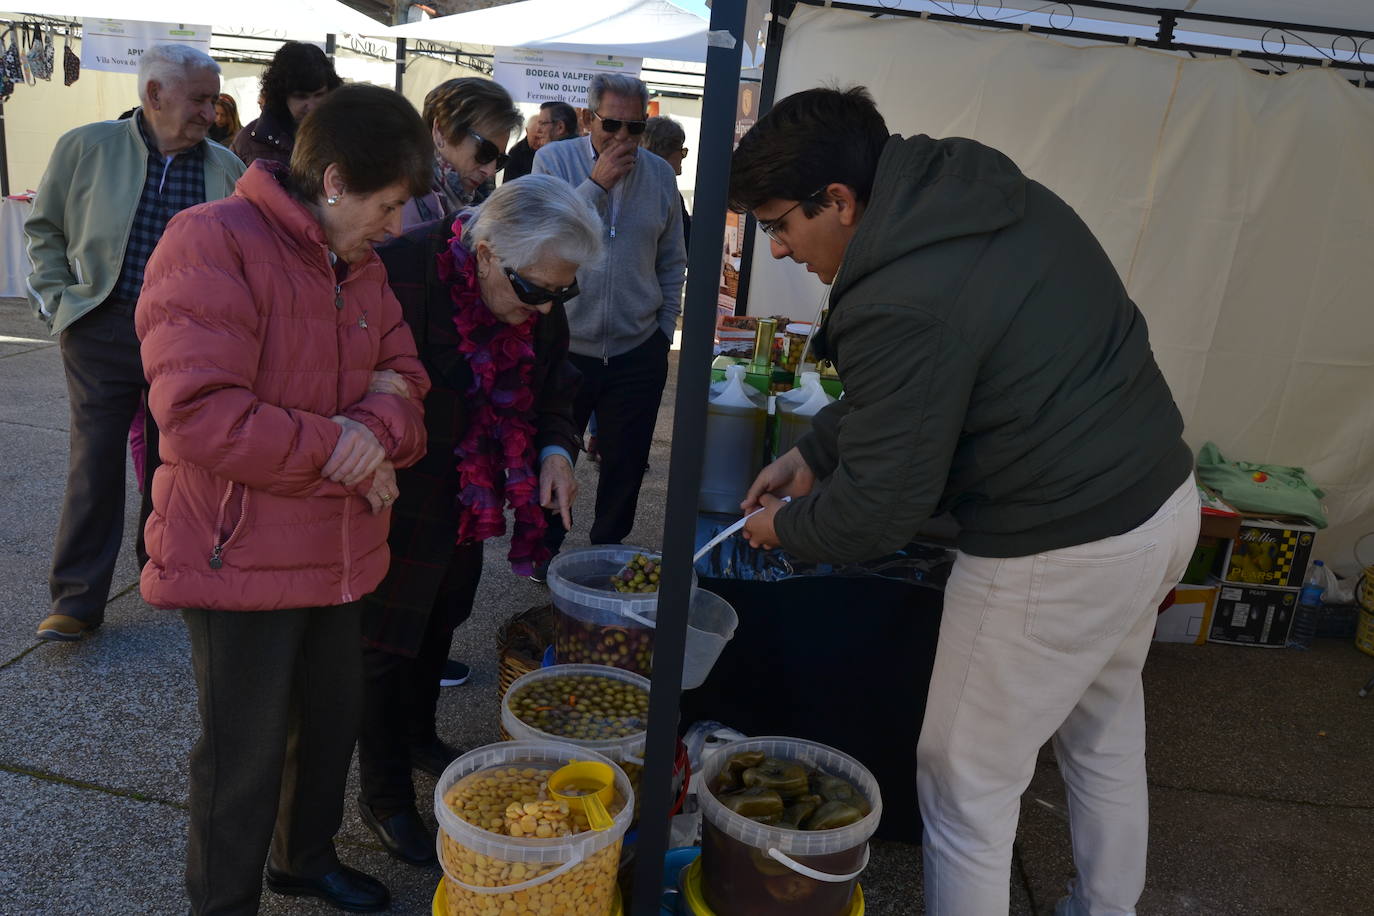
x=786 y=827
x=595 y=707
x=603 y=618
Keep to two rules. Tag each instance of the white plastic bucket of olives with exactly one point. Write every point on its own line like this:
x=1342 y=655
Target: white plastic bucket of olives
x=505 y=842
x=786 y=827
x=605 y=619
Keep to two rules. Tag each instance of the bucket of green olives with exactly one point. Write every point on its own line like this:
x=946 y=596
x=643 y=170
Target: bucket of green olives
x=595 y=707
x=785 y=827
x=603 y=617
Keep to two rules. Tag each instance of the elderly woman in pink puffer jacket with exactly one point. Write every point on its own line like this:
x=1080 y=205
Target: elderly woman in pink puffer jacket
x=287 y=389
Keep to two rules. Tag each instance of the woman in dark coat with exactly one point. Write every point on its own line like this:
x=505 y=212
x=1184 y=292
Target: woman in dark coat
x=484 y=297
x=293 y=85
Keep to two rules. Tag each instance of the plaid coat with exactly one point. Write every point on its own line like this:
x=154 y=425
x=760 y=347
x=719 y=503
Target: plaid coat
x=424 y=520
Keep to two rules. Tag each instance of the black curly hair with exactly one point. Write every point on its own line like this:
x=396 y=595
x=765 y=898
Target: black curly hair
x=296 y=67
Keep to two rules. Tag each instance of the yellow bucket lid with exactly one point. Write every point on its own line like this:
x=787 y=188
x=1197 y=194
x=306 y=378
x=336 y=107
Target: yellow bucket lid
x=696 y=900
x=441 y=902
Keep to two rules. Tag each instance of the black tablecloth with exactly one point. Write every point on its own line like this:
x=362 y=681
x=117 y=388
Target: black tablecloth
x=841 y=660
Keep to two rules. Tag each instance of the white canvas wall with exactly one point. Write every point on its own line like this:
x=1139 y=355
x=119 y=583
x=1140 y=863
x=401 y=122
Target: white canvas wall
x=1236 y=206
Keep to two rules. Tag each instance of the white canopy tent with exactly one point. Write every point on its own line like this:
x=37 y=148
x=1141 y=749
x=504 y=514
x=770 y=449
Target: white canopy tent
x=625 y=28
x=245 y=35
x=315 y=18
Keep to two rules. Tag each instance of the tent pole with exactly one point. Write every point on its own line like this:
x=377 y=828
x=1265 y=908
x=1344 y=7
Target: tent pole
x=4 y=156
x=400 y=63
x=777 y=26
x=719 y=103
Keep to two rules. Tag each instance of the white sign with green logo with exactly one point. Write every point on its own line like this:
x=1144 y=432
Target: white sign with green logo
x=118 y=44
x=532 y=75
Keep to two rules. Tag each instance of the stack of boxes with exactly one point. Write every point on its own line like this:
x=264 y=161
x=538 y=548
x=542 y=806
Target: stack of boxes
x=1242 y=586
x=1259 y=581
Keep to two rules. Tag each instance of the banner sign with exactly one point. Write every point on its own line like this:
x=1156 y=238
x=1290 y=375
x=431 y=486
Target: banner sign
x=118 y=44
x=531 y=75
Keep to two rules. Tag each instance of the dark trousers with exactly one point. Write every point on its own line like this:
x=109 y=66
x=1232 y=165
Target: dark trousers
x=624 y=392
x=105 y=385
x=279 y=696
x=401 y=694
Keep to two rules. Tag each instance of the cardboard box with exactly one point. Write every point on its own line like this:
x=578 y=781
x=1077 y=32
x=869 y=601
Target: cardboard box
x=1250 y=616
x=1189 y=619
x=1219 y=518
x=1272 y=553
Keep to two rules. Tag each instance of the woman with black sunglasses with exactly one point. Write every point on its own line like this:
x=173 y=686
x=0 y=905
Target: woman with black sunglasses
x=483 y=295
x=471 y=120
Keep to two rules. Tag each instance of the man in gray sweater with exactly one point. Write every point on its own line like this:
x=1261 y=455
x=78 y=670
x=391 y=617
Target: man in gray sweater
x=622 y=323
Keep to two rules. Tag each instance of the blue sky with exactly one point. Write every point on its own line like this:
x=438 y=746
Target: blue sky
x=696 y=6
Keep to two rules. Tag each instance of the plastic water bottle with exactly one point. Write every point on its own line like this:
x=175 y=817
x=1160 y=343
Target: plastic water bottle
x=1309 y=607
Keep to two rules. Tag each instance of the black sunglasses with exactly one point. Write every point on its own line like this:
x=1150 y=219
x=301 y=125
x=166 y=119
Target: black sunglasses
x=487 y=151
x=613 y=125
x=530 y=294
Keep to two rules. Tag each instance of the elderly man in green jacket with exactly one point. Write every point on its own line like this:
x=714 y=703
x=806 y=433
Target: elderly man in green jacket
x=995 y=368
x=107 y=194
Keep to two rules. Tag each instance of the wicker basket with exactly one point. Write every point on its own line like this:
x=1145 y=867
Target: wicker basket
x=520 y=645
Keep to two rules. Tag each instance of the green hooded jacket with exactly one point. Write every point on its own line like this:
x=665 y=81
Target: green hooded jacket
x=994 y=367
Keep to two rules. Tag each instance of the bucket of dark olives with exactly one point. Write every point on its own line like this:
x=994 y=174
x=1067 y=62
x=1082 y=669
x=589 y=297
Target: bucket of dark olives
x=786 y=827
x=603 y=618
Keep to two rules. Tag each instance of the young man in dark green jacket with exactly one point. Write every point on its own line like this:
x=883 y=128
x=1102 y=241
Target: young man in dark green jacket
x=995 y=368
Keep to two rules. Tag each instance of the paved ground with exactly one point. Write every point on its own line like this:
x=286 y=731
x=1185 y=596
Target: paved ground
x=1260 y=760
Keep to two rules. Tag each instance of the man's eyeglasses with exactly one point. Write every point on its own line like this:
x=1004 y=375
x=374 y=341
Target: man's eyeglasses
x=772 y=227
x=531 y=294
x=487 y=151
x=613 y=125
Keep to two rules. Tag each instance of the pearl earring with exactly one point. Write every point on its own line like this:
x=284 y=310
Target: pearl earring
x=333 y=199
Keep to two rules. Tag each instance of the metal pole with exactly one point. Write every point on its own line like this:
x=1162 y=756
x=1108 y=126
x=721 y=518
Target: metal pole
x=400 y=63
x=777 y=27
x=719 y=102
x=4 y=156
x=331 y=43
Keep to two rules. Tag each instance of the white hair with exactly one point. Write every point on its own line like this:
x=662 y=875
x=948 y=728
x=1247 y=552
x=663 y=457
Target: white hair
x=616 y=84
x=534 y=217
x=170 y=63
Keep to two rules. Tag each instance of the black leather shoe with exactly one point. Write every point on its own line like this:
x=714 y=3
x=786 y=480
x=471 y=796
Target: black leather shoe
x=433 y=757
x=404 y=835
x=344 y=887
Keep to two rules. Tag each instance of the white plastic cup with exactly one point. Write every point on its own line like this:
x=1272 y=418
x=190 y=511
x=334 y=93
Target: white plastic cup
x=711 y=623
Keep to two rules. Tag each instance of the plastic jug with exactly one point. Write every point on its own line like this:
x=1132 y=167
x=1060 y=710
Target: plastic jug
x=736 y=417
x=797 y=407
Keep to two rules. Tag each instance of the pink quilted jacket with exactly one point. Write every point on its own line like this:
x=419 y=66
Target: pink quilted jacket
x=250 y=346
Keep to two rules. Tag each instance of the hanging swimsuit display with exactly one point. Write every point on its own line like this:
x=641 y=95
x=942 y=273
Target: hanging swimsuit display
x=13 y=66
x=71 y=63
x=26 y=71
x=41 y=54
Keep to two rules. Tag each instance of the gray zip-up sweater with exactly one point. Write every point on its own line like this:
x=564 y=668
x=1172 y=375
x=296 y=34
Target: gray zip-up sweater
x=635 y=287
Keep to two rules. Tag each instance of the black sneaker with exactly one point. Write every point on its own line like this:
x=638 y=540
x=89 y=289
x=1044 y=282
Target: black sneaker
x=455 y=673
x=540 y=574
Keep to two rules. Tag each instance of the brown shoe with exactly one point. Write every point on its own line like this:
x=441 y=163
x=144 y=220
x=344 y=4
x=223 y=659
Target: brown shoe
x=64 y=628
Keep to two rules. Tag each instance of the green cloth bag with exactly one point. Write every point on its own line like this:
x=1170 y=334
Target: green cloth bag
x=1268 y=489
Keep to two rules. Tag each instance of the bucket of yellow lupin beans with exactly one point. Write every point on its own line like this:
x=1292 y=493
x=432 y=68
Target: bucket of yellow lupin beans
x=509 y=848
